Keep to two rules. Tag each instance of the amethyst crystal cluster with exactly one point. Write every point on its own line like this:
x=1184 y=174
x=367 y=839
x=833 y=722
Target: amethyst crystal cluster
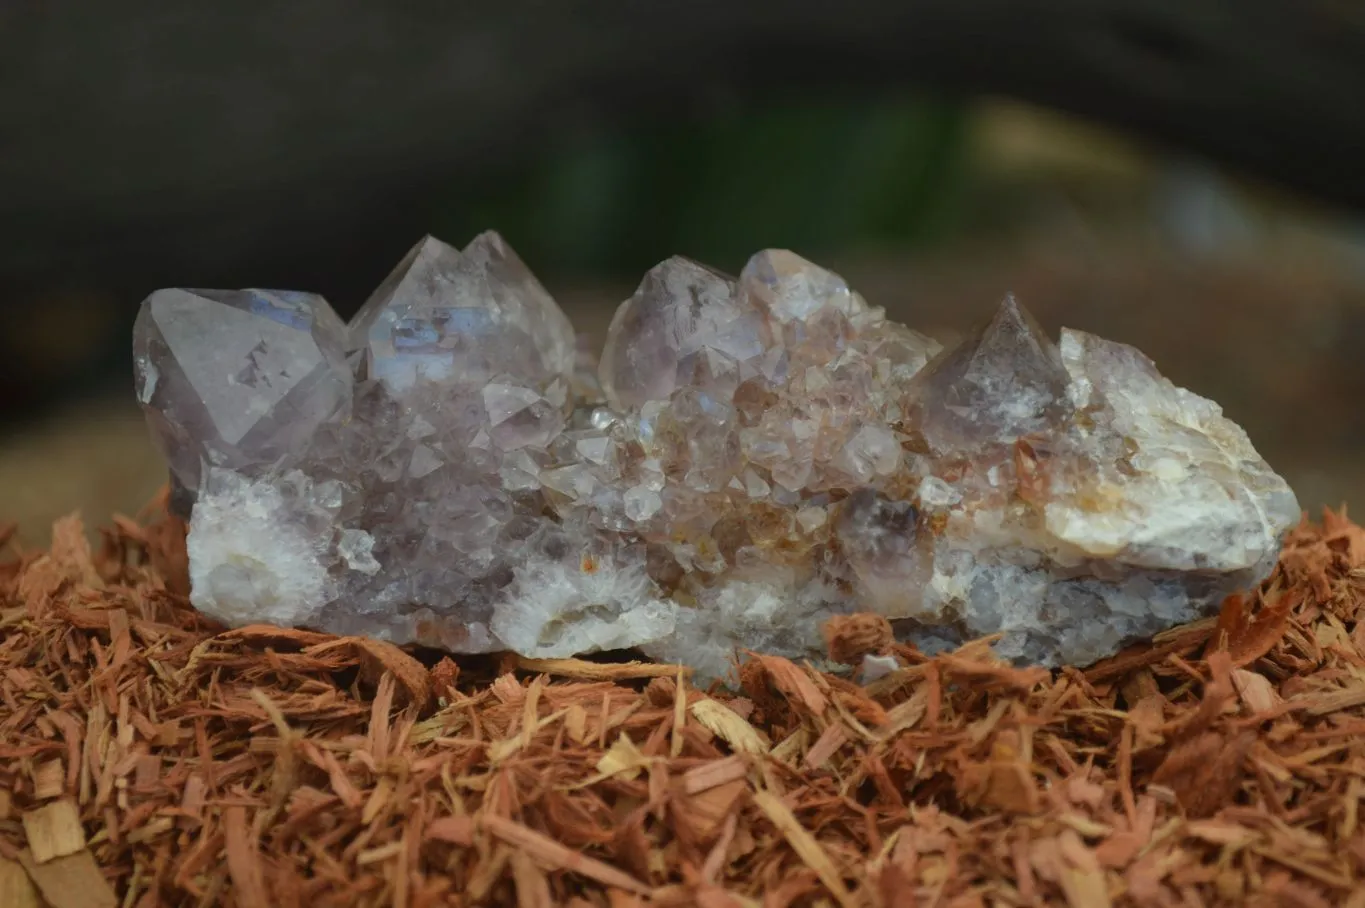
x=749 y=457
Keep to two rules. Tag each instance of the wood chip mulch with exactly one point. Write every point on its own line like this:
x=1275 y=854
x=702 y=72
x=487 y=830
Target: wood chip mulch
x=148 y=757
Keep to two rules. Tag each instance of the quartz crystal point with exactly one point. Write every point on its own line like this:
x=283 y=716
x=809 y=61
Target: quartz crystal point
x=446 y=316
x=755 y=455
x=237 y=379
x=1003 y=382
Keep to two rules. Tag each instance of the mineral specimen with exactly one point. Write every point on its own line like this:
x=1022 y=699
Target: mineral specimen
x=753 y=456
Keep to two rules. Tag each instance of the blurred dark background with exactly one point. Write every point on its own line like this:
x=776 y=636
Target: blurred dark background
x=1185 y=177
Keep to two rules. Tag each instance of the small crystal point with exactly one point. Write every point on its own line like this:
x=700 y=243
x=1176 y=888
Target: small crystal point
x=443 y=316
x=879 y=537
x=1003 y=381
x=680 y=308
x=793 y=289
x=522 y=297
x=237 y=379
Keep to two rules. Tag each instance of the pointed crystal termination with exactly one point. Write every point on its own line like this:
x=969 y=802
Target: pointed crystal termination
x=681 y=309
x=448 y=316
x=792 y=289
x=773 y=452
x=1004 y=381
x=237 y=379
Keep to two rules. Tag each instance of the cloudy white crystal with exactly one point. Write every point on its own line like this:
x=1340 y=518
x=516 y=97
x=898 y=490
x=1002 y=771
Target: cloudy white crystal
x=250 y=560
x=587 y=599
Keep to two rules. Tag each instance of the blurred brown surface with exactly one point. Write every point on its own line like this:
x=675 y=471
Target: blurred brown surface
x=1275 y=335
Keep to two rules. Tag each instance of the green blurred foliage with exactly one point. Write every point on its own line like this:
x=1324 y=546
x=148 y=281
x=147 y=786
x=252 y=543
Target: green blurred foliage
x=814 y=177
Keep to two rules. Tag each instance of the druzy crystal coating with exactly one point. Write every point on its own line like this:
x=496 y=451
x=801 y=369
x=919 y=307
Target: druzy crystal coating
x=752 y=456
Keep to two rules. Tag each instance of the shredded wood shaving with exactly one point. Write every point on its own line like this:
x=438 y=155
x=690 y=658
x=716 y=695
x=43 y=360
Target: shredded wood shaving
x=599 y=671
x=723 y=722
x=54 y=830
x=804 y=844
x=16 y=889
x=559 y=856
x=149 y=757
x=72 y=881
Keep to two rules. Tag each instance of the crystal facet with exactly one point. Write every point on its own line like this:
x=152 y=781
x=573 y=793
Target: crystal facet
x=237 y=379
x=444 y=315
x=754 y=456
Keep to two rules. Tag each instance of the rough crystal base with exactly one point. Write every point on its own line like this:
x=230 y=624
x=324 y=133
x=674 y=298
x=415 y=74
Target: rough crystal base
x=755 y=455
